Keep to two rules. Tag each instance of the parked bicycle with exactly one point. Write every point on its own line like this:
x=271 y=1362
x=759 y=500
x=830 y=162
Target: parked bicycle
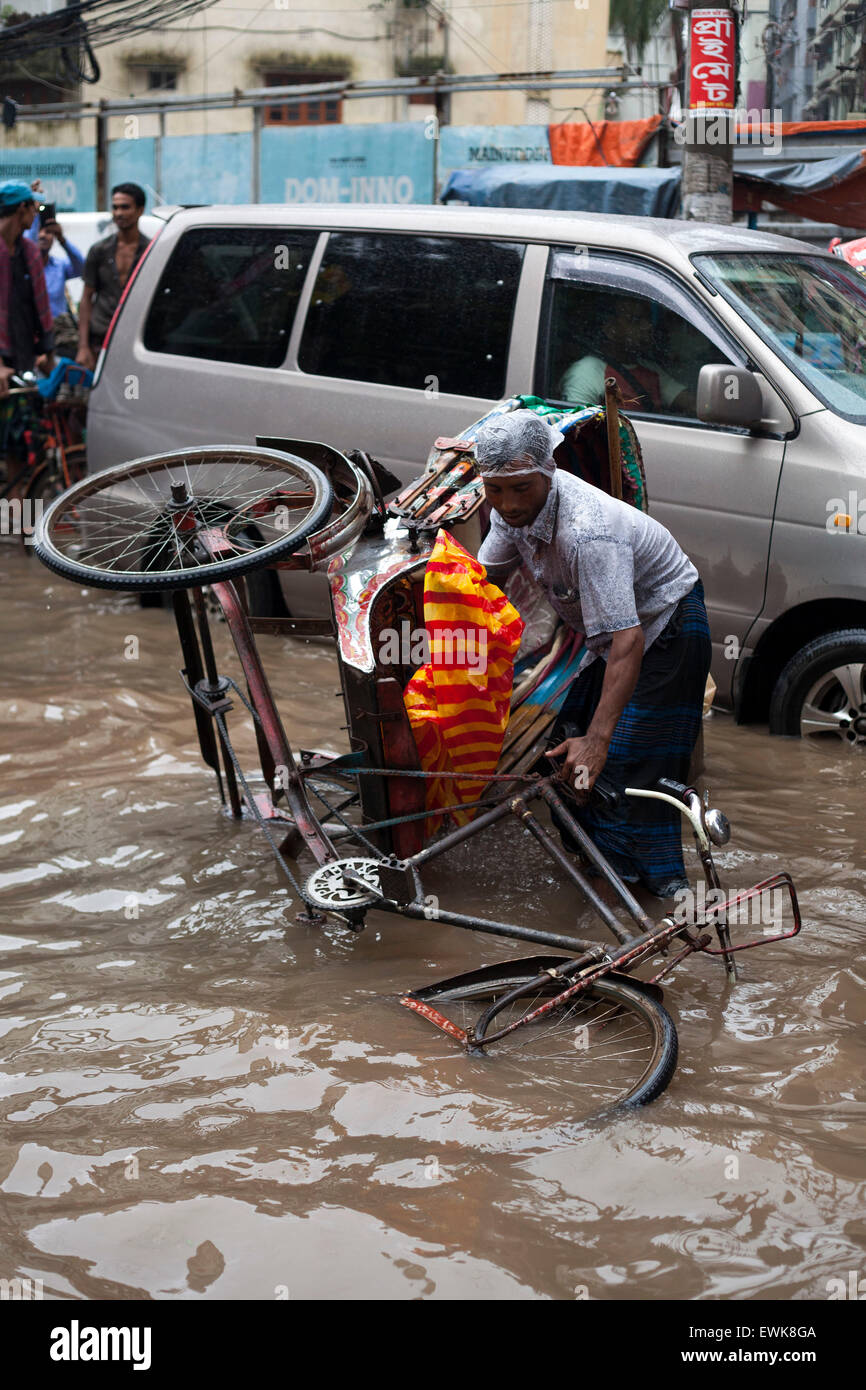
x=42 y=442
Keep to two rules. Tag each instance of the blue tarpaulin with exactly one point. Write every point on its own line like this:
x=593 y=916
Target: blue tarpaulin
x=575 y=188
x=809 y=177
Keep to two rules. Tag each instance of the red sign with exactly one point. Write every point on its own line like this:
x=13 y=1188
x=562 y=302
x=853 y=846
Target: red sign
x=712 y=60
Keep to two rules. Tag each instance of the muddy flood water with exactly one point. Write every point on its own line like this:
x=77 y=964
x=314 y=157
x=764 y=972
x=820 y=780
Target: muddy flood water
x=202 y=1098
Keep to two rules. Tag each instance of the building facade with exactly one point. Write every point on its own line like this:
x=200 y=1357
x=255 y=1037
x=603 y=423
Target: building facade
x=839 y=58
x=240 y=44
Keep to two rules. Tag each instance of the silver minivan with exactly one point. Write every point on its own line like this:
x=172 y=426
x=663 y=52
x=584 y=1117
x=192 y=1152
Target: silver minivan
x=741 y=358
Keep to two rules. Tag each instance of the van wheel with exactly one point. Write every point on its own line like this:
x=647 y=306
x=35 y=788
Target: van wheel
x=822 y=690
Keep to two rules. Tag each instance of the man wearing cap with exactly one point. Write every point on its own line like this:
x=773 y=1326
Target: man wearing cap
x=26 y=336
x=618 y=576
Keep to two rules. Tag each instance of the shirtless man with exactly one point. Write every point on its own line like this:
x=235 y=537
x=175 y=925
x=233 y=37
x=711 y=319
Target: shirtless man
x=107 y=269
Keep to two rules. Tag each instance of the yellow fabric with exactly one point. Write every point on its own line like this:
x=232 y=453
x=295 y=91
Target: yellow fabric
x=458 y=702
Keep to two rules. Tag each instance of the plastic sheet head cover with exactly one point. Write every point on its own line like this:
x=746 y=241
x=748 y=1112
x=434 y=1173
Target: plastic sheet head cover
x=518 y=443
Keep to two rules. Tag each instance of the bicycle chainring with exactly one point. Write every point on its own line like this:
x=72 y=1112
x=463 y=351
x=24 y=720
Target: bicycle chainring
x=327 y=889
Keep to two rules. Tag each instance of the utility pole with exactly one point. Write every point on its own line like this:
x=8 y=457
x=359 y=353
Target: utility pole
x=710 y=92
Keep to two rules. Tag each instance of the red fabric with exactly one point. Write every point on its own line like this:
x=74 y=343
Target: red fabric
x=805 y=127
x=33 y=257
x=854 y=252
x=622 y=142
x=645 y=377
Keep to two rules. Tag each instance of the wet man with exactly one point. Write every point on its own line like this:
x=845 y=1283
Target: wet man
x=107 y=269
x=614 y=574
x=26 y=336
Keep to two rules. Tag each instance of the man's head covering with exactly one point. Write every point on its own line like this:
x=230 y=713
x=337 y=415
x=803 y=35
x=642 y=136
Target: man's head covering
x=515 y=444
x=13 y=194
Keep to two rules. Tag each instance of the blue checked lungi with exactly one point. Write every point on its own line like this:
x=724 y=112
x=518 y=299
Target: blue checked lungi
x=654 y=737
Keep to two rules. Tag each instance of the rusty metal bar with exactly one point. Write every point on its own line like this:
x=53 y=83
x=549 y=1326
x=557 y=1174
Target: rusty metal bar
x=481 y=924
x=597 y=859
x=546 y=841
x=263 y=701
x=215 y=691
x=614 y=454
x=194 y=672
x=456 y=837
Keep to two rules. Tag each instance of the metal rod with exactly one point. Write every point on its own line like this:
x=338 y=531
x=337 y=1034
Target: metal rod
x=213 y=682
x=206 y=642
x=577 y=79
x=302 y=813
x=546 y=841
x=456 y=837
x=627 y=955
x=614 y=454
x=256 y=156
x=480 y=924
x=193 y=670
x=597 y=859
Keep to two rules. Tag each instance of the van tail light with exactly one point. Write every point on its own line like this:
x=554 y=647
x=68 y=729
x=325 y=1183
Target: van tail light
x=120 y=303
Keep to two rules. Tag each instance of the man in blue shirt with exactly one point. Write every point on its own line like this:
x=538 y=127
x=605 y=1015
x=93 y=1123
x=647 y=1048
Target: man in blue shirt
x=58 y=268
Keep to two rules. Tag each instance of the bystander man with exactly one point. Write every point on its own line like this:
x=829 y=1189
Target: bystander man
x=108 y=267
x=61 y=261
x=26 y=325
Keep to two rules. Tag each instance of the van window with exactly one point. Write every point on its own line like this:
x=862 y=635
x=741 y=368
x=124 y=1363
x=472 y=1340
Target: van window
x=622 y=320
x=428 y=312
x=812 y=312
x=230 y=294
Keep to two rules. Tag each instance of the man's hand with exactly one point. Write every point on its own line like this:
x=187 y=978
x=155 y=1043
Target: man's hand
x=584 y=760
x=55 y=229
x=6 y=373
x=46 y=363
x=84 y=357
x=36 y=186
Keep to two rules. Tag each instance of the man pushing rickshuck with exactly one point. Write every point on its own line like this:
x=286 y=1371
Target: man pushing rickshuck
x=616 y=575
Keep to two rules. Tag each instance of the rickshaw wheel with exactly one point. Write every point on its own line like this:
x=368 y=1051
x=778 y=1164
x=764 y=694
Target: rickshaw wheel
x=140 y=525
x=612 y=1047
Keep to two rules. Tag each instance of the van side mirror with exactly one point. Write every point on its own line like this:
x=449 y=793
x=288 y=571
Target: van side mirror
x=728 y=395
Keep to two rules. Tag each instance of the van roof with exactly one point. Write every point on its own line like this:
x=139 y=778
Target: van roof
x=657 y=234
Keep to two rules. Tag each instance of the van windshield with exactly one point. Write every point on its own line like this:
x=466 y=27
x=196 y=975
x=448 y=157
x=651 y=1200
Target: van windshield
x=812 y=312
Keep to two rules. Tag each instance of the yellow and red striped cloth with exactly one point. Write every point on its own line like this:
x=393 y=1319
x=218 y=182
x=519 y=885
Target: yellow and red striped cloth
x=458 y=702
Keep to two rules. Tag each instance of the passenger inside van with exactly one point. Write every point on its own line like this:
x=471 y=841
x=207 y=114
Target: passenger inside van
x=627 y=350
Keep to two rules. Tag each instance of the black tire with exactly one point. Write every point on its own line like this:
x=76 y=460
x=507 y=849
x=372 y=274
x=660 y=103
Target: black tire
x=264 y=595
x=153 y=580
x=809 y=700
x=654 y=1070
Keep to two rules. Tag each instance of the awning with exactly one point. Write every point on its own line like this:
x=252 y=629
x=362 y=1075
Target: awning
x=826 y=190
x=635 y=192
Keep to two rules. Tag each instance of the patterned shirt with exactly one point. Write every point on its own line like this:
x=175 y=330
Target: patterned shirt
x=603 y=564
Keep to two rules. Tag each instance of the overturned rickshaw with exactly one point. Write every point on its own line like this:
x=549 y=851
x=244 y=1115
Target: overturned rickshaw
x=353 y=833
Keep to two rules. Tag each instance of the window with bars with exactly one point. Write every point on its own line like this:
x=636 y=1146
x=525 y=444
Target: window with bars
x=315 y=111
x=162 y=79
